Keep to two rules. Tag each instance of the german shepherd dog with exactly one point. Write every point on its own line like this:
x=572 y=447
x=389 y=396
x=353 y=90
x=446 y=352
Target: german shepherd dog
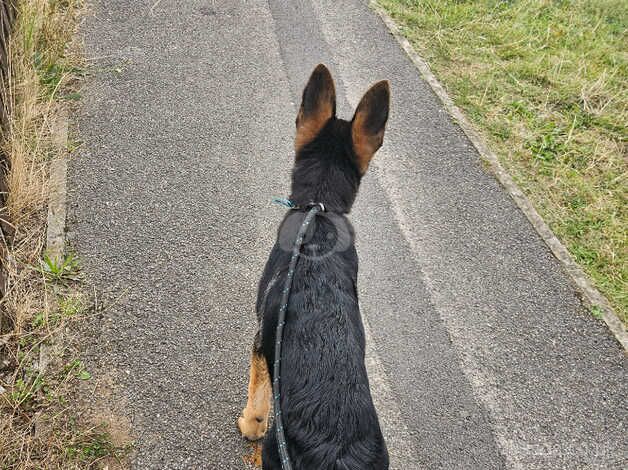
x=328 y=415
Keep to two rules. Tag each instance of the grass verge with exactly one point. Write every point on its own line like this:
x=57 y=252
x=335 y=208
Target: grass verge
x=41 y=424
x=545 y=83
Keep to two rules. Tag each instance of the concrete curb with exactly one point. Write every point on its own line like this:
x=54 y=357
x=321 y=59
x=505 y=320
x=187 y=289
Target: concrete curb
x=591 y=296
x=55 y=235
x=55 y=231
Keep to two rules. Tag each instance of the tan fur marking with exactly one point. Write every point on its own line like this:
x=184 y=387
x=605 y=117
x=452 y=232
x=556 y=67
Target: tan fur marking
x=254 y=420
x=365 y=141
x=364 y=145
x=308 y=129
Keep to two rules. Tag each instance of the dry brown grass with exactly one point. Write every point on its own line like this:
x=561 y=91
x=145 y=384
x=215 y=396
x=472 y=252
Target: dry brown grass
x=41 y=425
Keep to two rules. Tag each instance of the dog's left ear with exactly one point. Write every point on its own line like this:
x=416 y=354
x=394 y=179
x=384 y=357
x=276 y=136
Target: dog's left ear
x=317 y=106
x=369 y=123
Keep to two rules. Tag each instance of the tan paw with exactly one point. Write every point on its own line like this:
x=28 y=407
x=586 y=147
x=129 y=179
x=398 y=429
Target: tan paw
x=252 y=427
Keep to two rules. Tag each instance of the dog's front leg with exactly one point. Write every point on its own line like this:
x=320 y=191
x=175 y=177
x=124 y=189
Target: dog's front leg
x=254 y=420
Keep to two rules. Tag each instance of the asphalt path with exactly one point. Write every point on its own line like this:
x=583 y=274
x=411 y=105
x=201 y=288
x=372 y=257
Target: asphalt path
x=480 y=352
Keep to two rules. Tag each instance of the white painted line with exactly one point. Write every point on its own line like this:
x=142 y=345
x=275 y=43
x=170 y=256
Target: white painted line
x=580 y=280
x=396 y=433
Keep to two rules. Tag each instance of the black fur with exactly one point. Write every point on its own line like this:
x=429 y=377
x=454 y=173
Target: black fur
x=329 y=418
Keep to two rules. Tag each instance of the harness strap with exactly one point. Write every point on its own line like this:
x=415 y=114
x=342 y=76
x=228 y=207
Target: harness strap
x=285 y=296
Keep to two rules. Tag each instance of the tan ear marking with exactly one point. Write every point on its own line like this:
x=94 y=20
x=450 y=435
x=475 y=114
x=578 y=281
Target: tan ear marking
x=369 y=123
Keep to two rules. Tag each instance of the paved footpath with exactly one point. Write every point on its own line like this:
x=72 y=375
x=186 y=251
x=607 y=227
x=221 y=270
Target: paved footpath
x=481 y=355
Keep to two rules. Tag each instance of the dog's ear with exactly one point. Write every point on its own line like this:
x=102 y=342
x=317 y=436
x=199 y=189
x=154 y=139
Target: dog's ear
x=317 y=106
x=369 y=123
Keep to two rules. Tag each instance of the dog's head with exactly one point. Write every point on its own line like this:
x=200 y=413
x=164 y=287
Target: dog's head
x=333 y=154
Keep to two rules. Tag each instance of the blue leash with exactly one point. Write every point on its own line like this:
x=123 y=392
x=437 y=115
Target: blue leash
x=285 y=296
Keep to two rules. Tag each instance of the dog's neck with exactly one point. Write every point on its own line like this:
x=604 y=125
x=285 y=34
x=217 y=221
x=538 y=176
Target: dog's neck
x=319 y=180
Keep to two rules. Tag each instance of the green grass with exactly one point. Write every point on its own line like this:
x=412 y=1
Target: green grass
x=68 y=307
x=545 y=83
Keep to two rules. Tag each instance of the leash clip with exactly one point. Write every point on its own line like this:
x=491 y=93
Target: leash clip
x=319 y=204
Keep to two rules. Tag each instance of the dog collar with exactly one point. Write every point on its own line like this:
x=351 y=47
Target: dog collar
x=289 y=204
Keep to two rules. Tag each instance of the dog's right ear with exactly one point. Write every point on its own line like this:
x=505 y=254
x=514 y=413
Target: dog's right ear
x=317 y=106
x=369 y=123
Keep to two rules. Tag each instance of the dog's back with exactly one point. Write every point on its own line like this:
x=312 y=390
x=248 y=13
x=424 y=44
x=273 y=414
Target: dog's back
x=328 y=415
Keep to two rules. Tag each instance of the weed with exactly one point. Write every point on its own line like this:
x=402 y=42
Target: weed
x=72 y=306
x=61 y=269
x=548 y=145
x=68 y=307
x=99 y=447
x=77 y=369
x=597 y=312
